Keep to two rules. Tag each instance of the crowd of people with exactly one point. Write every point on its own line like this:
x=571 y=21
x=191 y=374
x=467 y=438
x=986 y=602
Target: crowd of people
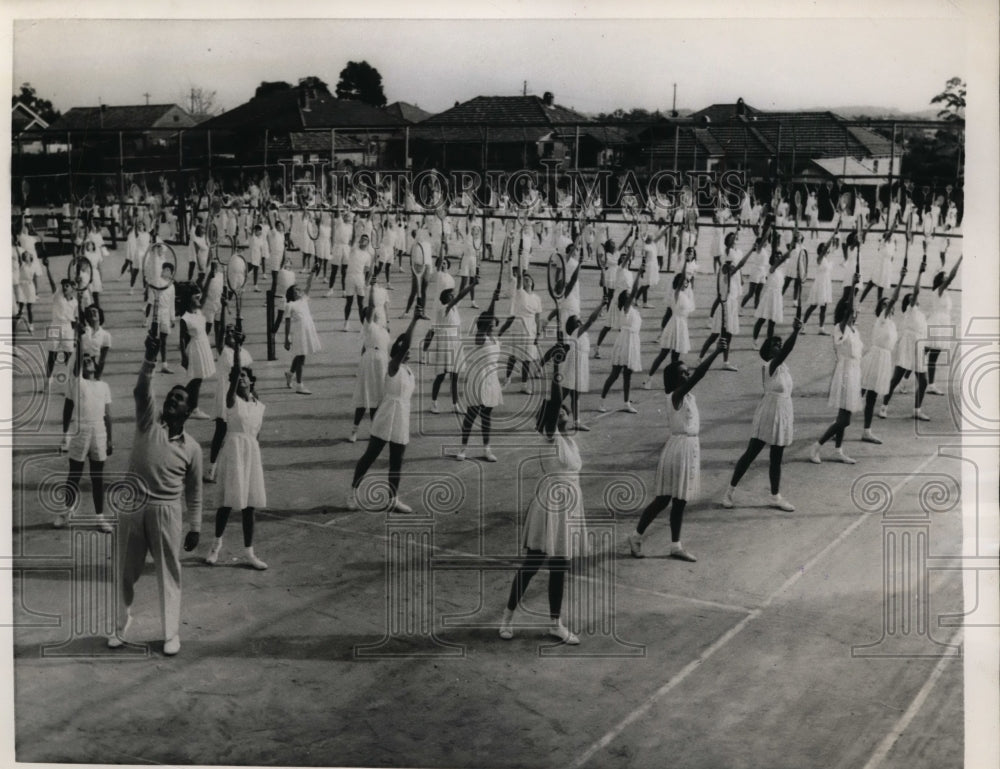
x=626 y=256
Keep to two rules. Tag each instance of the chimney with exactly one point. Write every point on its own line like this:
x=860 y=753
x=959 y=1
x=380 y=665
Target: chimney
x=741 y=108
x=548 y=98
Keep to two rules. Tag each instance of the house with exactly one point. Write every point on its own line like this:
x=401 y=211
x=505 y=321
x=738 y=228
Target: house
x=307 y=121
x=408 y=113
x=512 y=132
x=26 y=125
x=142 y=126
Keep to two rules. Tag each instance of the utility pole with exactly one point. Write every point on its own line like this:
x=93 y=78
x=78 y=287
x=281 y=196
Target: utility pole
x=147 y=98
x=524 y=89
x=673 y=109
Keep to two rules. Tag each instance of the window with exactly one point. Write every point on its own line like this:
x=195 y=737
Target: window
x=875 y=165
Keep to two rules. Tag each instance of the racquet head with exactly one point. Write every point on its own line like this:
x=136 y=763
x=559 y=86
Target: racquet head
x=236 y=273
x=159 y=266
x=556 y=276
x=80 y=272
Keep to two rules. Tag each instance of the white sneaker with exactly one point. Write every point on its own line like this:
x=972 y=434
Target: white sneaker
x=755 y=344
x=781 y=503
x=727 y=366
x=65 y=445
x=635 y=546
x=172 y=645
x=456 y=408
x=678 y=552
x=822 y=331
x=213 y=554
x=647 y=385
x=558 y=630
x=288 y=379
x=525 y=389
x=918 y=414
x=353 y=437
x=630 y=408
x=210 y=473
x=869 y=437
x=474 y=306
x=254 y=561
x=301 y=389
x=59 y=522
x=934 y=390
x=844 y=458
x=727 y=500
x=581 y=427
x=117 y=639
x=351 y=503
x=199 y=414
x=488 y=454
x=460 y=456
x=883 y=412
x=401 y=507
x=328 y=294
x=104 y=524
x=165 y=369
x=814 y=454
x=903 y=388
x=435 y=409
x=602 y=406
x=347 y=325
x=507 y=625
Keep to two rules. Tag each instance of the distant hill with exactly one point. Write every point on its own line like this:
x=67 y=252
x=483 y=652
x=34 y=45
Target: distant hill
x=880 y=112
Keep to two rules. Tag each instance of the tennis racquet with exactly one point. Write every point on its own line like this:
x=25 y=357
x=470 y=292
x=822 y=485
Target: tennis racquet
x=159 y=265
x=722 y=287
x=236 y=279
x=312 y=225
x=81 y=273
x=556 y=279
x=801 y=273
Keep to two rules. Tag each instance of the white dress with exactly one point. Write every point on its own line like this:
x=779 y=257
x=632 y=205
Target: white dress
x=445 y=350
x=370 y=383
x=576 y=370
x=675 y=335
x=876 y=364
x=678 y=474
x=913 y=341
x=845 y=386
x=482 y=375
x=558 y=501
x=524 y=306
x=774 y=419
x=392 y=420
x=771 y=305
x=305 y=340
x=821 y=292
x=239 y=470
x=882 y=276
x=940 y=327
x=626 y=351
x=199 y=350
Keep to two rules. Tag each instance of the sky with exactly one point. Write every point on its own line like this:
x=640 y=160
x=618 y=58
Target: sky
x=591 y=65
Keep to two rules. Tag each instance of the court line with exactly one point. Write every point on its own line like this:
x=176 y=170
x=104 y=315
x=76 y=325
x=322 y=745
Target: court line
x=911 y=712
x=673 y=682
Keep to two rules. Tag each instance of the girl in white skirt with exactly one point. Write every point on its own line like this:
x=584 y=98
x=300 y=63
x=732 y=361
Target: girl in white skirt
x=821 y=292
x=626 y=355
x=447 y=346
x=211 y=306
x=525 y=315
x=675 y=338
x=482 y=383
x=323 y=244
x=678 y=475
x=876 y=365
x=881 y=278
x=28 y=270
x=132 y=255
x=617 y=279
x=911 y=353
x=731 y=272
x=240 y=468
x=300 y=334
x=941 y=330
x=198 y=255
x=370 y=383
x=468 y=268
x=576 y=369
x=95 y=342
x=554 y=515
x=232 y=340
x=845 y=385
x=391 y=423
x=196 y=352
x=286 y=279
x=812 y=213
x=758 y=271
x=771 y=307
x=773 y=421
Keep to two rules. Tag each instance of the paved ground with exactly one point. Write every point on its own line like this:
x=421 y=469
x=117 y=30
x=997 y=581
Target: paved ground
x=372 y=639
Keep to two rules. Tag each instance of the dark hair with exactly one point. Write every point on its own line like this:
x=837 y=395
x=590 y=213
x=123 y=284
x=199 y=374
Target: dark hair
x=572 y=324
x=842 y=311
x=443 y=293
x=400 y=346
x=100 y=312
x=623 y=299
x=672 y=375
x=880 y=307
x=678 y=280
x=938 y=279
x=771 y=345
x=485 y=322
x=290 y=293
x=907 y=301
x=729 y=239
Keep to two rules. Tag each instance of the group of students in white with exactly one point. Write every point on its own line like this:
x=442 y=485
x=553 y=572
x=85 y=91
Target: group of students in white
x=479 y=363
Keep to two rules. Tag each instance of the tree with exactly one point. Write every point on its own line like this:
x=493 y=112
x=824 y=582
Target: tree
x=360 y=81
x=313 y=83
x=43 y=107
x=266 y=88
x=200 y=103
x=953 y=99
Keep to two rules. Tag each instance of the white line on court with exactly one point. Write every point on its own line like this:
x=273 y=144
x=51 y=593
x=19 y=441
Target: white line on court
x=904 y=721
x=640 y=711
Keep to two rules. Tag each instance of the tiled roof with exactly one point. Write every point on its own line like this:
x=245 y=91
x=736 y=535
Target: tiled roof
x=720 y=113
x=138 y=117
x=315 y=141
x=509 y=119
x=409 y=113
x=282 y=112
